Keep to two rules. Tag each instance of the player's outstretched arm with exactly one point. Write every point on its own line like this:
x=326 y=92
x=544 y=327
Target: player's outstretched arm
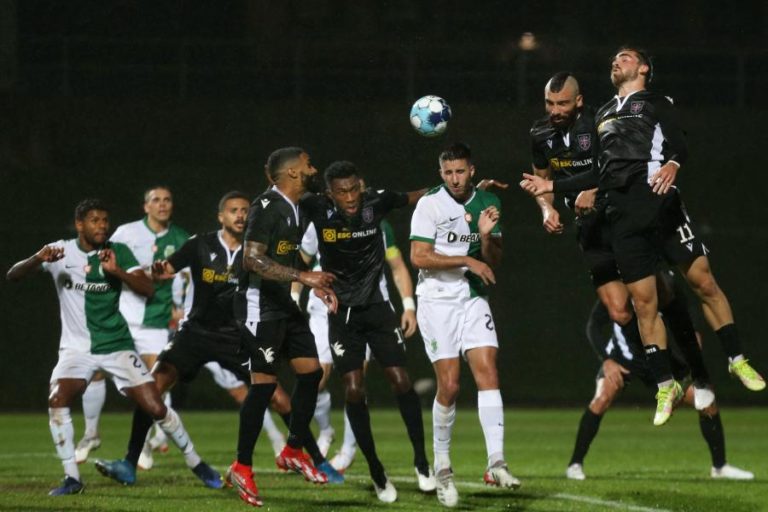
x=23 y=268
x=404 y=284
x=423 y=255
x=138 y=281
x=490 y=246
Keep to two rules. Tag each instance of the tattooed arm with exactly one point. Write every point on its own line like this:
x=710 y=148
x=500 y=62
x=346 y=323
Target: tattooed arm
x=255 y=260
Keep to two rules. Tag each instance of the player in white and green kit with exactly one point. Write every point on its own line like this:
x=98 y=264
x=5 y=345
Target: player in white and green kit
x=89 y=274
x=151 y=239
x=455 y=240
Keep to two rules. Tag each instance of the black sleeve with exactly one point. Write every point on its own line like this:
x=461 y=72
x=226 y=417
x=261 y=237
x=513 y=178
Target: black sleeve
x=259 y=227
x=538 y=159
x=597 y=327
x=582 y=181
x=391 y=200
x=675 y=147
x=183 y=257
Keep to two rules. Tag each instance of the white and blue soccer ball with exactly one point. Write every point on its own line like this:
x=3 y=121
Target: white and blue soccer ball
x=430 y=115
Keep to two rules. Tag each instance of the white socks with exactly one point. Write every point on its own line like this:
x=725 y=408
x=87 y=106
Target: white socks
x=443 y=419
x=93 y=402
x=349 y=444
x=323 y=410
x=490 y=409
x=173 y=427
x=63 y=434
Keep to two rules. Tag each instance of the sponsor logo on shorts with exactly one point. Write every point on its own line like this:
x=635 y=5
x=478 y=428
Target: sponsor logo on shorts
x=269 y=355
x=338 y=349
x=284 y=247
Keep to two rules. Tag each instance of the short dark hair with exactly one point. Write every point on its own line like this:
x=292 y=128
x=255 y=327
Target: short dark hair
x=88 y=205
x=642 y=55
x=155 y=187
x=339 y=170
x=557 y=82
x=278 y=158
x=456 y=151
x=232 y=194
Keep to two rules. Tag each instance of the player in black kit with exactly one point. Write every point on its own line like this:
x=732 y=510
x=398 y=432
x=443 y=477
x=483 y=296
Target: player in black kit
x=641 y=148
x=210 y=332
x=272 y=323
x=622 y=361
x=347 y=222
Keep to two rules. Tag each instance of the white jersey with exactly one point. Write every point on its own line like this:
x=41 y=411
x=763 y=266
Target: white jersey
x=88 y=298
x=149 y=247
x=452 y=227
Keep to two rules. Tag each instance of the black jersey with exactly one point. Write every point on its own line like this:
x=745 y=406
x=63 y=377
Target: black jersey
x=352 y=248
x=565 y=153
x=637 y=134
x=275 y=222
x=215 y=272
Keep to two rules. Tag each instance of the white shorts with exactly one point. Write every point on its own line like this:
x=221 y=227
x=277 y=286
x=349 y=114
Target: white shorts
x=224 y=378
x=125 y=367
x=318 y=324
x=451 y=327
x=149 y=340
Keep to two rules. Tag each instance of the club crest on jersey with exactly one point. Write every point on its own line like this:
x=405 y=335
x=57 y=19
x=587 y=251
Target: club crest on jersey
x=169 y=249
x=368 y=214
x=585 y=141
x=636 y=106
x=468 y=217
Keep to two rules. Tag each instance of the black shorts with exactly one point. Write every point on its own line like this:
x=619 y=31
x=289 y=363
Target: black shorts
x=289 y=337
x=639 y=369
x=681 y=243
x=375 y=325
x=190 y=349
x=594 y=237
x=634 y=213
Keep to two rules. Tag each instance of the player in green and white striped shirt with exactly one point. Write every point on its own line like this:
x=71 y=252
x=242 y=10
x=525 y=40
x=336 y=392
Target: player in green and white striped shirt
x=455 y=239
x=151 y=238
x=89 y=274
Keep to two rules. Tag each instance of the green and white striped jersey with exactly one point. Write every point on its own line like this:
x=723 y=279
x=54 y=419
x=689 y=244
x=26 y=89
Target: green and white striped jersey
x=452 y=227
x=149 y=247
x=89 y=299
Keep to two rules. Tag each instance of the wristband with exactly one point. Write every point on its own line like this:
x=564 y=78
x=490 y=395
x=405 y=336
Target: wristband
x=409 y=304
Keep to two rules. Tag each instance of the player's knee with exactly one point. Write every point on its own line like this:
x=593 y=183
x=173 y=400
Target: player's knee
x=399 y=380
x=620 y=313
x=707 y=286
x=312 y=378
x=354 y=393
x=600 y=404
x=448 y=391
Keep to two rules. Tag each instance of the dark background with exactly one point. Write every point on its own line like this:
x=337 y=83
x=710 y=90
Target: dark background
x=107 y=98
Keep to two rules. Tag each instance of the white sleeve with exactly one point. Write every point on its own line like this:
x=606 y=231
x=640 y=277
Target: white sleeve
x=309 y=241
x=423 y=223
x=119 y=236
x=54 y=267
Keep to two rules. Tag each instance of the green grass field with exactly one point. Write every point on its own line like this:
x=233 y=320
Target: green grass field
x=632 y=466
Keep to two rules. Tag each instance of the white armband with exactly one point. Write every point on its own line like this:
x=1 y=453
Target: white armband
x=409 y=304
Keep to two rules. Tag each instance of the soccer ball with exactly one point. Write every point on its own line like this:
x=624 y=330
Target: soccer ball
x=430 y=115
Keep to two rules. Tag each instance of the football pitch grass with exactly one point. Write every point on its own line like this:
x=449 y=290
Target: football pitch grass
x=632 y=466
